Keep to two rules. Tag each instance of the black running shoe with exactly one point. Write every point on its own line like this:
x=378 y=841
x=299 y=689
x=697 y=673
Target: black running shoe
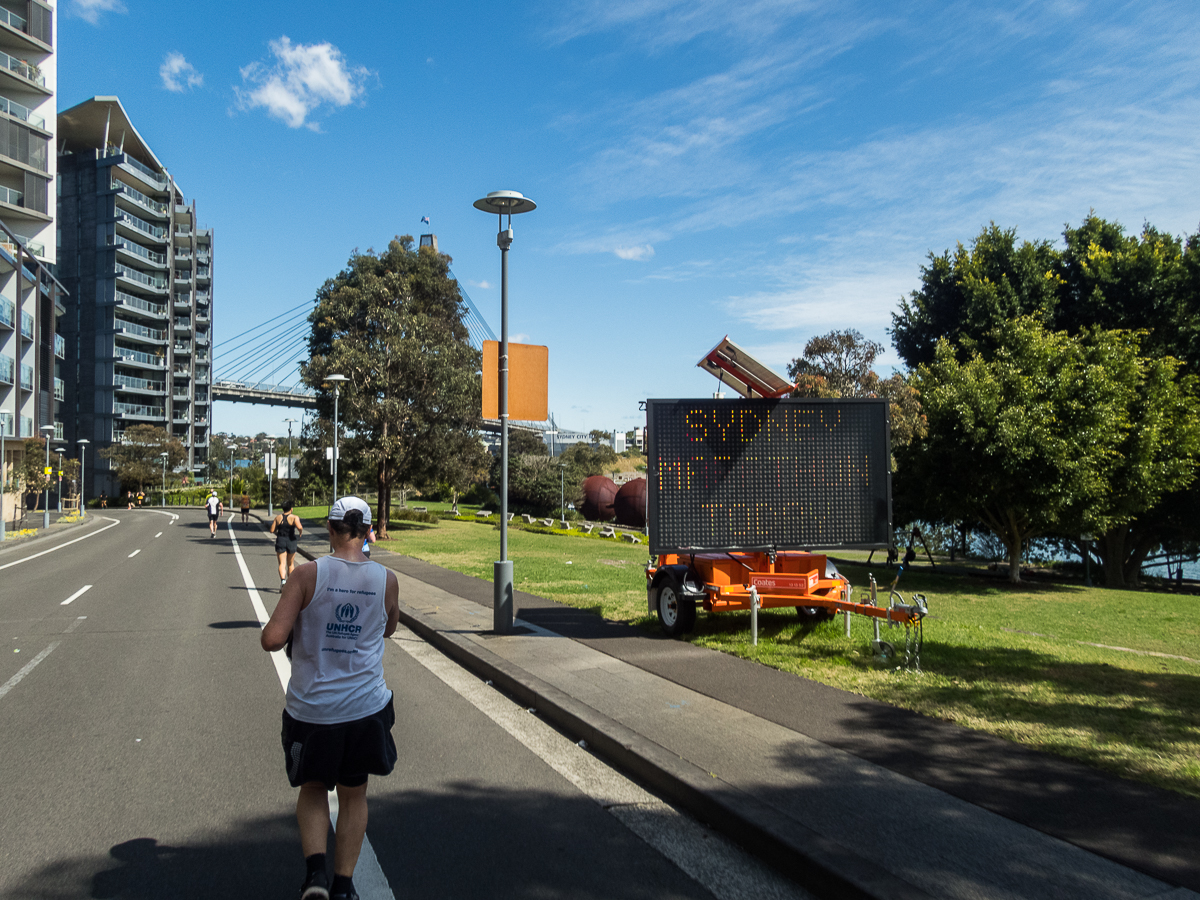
x=315 y=887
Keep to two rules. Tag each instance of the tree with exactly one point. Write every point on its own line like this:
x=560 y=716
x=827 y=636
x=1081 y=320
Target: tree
x=137 y=459
x=968 y=295
x=838 y=364
x=392 y=324
x=31 y=473
x=1026 y=439
x=522 y=442
x=842 y=360
x=600 y=437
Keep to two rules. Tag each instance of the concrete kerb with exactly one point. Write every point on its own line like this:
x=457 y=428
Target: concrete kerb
x=815 y=862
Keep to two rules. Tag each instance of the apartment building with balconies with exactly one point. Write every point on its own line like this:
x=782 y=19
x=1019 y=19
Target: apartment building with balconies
x=138 y=269
x=31 y=352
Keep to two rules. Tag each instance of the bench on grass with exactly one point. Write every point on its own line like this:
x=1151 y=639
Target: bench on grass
x=483 y=513
x=632 y=538
x=586 y=528
x=607 y=531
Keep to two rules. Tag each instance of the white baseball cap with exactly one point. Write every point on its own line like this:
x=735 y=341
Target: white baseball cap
x=346 y=504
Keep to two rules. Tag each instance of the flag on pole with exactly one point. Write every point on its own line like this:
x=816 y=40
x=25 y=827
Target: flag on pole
x=425 y=220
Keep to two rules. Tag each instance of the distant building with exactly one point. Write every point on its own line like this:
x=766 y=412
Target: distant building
x=139 y=271
x=618 y=441
x=30 y=297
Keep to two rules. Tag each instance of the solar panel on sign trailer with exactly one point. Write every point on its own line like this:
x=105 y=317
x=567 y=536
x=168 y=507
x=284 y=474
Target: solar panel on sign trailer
x=789 y=474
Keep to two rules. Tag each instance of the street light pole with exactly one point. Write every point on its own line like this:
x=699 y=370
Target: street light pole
x=48 y=430
x=232 y=449
x=562 y=493
x=291 y=450
x=503 y=203
x=82 y=442
x=270 y=474
x=59 y=451
x=337 y=383
x=163 y=456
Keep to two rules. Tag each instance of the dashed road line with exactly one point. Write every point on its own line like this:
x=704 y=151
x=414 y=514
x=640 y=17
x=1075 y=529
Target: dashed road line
x=135 y=553
x=74 y=625
x=159 y=535
x=75 y=596
x=16 y=679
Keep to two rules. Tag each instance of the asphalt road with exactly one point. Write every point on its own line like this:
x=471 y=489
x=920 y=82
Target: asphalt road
x=139 y=734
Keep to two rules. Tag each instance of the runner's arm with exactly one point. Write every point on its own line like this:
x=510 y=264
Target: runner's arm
x=391 y=603
x=295 y=595
x=274 y=522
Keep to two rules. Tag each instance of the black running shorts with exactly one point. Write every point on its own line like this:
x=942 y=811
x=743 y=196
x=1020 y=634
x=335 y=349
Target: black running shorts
x=212 y=517
x=283 y=545
x=344 y=754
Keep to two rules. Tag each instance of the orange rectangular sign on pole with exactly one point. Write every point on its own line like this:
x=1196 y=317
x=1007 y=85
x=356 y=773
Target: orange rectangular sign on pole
x=528 y=381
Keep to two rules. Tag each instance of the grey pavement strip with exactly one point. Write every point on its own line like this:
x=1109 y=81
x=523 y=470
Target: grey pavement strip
x=370 y=882
x=865 y=830
x=723 y=869
x=26 y=669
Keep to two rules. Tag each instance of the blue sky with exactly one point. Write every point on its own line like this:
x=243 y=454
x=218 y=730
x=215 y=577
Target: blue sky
x=764 y=169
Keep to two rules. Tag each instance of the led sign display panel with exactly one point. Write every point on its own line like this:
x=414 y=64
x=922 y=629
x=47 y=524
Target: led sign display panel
x=790 y=474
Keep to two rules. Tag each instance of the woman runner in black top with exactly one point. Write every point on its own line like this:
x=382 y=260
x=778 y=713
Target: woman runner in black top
x=287 y=529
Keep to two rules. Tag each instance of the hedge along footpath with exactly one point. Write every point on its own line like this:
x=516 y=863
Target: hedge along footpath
x=1019 y=662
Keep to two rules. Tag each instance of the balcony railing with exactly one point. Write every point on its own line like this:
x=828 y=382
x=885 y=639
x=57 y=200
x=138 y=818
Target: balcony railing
x=8 y=312
x=182 y=349
x=139 y=198
x=24 y=69
x=153 y=281
x=27 y=324
x=138 y=250
x=7 y=368
x=125 y=299
x=11 y=196
x=60 y=389
x=128 y=218
x=138 y=356
x=181 y=395
x=203 y=296
x=139 y=410
x=153 y=334
x=58 y=431
x=182 y=371
x=26 y=378
x=183 y=274
x=154 y=177
x=202 y=271
x=60 y=346
x=13 y=20
x=186 y=253
x=16 y=110
x=6 y=423
x=138 y=384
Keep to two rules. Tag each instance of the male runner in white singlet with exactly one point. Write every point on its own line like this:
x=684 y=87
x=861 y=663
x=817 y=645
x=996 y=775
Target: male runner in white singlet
x=214 y=506
x=338 y=717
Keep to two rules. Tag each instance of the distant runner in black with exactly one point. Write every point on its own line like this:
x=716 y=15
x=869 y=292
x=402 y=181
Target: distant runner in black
x=287 y=529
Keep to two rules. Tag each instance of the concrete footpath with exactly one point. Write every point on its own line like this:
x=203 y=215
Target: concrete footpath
x=849 y=797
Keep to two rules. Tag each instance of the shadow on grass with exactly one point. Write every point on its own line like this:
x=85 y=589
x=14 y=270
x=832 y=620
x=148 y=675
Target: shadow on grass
x=982 y=584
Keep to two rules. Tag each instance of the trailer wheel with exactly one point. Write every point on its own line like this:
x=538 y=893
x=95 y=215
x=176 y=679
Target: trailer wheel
x=675 y=614
x=814 y=614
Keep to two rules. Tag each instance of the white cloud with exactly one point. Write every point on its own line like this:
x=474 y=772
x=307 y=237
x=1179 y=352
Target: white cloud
x=519 y=338
x=301 y=79
x=482 y=285
x=90 y=10
x=178 y=74
x=645 y=251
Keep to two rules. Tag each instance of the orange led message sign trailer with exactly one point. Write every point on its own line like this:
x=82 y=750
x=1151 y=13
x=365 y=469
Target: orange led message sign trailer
x=528 y=381
x=788 y=474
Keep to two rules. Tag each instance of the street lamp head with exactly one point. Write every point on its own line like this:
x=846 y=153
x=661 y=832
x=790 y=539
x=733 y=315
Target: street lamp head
x=336 y=378
x=504 y=203
x=82 y=441
x=49 y=428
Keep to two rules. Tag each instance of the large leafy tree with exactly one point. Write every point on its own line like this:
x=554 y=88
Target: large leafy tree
x=1028 y=438
x=969 y=293
x=392 y=323
x=137 y=459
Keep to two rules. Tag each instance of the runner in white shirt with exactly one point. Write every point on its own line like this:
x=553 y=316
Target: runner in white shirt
x=214 y=506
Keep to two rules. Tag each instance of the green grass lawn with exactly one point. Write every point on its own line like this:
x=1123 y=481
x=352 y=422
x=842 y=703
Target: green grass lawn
x=1012 y=661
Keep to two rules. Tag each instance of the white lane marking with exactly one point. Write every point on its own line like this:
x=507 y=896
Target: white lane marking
x=75 y=596
x=16 y=679
x=74 y=625
x=115 y=523
x=162 y=512
x=726 y=871
x=158 y=535
x=369 y=880
x=134 y=553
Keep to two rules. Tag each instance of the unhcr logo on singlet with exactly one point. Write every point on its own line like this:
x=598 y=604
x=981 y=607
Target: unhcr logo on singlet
x=346 y=613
